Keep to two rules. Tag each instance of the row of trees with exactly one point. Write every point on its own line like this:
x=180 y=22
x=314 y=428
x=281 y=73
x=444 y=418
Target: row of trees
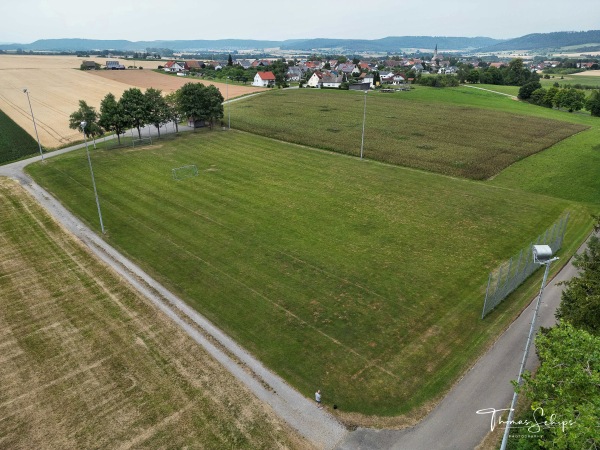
x=514 y=74
x=567 y=383
x=135 y=109
x=567 y=98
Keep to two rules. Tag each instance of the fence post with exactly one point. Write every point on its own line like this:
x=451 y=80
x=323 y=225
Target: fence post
x=486 y=296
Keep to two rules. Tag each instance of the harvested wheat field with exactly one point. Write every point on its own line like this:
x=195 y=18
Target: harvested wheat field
x=55 y=88
x=56 y=85
x=169 y=83
x=86 y=362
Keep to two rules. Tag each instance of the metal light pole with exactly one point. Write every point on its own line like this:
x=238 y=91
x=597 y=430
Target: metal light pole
x=228 y=105
x=83 y=124
x=542 y=254
x=34 y=126
x=362 y=141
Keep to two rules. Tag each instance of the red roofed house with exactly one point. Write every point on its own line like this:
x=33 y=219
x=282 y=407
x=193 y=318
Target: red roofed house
x=174 y=66
x=264 y=79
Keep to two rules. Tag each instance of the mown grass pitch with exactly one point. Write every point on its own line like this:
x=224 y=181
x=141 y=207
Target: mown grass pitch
x=414 y=129
x=363 y=279
x=89 y=363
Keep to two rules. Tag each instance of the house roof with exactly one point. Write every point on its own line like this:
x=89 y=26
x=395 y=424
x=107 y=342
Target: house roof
x=194 y=64
x=266 y=76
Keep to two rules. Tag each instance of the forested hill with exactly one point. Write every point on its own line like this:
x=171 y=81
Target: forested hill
x=392 y=43
x=388 y=44
x=540 y=41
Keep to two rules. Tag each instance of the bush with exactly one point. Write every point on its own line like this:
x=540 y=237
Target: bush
x=528 y=88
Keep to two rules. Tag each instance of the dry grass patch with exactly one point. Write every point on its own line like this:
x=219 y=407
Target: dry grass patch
x=88 y=363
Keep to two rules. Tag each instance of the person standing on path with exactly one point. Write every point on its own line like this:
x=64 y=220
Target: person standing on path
x=318 y=398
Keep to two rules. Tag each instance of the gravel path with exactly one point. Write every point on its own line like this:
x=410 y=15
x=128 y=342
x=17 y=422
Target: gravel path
x=318 y=426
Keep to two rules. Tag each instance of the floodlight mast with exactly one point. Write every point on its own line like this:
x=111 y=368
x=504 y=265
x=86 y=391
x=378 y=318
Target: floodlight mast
x=83 y=124
x=26 y=91
x=362 y=141
x=542 y=254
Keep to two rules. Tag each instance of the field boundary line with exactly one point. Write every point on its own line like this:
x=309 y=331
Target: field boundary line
x=489 y=90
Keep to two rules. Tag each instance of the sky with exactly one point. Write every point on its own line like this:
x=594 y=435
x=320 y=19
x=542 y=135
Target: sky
x=24 y=21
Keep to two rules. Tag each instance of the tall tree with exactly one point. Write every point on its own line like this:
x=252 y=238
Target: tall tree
x=200 y=102
x=580 y=304
x=135 y=108
x=112 y=116
x=90 y=116
x=173 y=113
x=565 y=391
x=230 y=60
x=593 y=103
x=157 y=108
x=213 y=101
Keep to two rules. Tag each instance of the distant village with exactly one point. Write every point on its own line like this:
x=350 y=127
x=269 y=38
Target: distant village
x=337 y=72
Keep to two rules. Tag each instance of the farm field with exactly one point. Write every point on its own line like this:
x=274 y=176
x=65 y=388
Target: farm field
x=14 y=141
x=55 y=87
x=416 y=129
x=89 y=363
x=361 y=278
x=144 y=79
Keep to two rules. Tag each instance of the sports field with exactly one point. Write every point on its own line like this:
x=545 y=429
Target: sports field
x=414 y=129
x=87 y=362
x=360 y=278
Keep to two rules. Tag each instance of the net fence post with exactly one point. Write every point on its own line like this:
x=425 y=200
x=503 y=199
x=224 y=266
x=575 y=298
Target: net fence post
x=487 y=290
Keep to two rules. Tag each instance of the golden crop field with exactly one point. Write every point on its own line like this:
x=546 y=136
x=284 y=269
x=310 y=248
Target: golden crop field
x=87 y=362
x=147 y=78
x=56 y=85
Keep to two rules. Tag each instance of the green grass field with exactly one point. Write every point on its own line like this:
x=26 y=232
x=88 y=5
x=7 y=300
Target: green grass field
x=415 y=129
x=360 y=278
x=570 y=80
x=15 y=142
x=87 y=362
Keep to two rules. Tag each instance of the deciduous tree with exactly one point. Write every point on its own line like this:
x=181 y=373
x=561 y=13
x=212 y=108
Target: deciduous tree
x=565 y=391
x=112 y=117
x=135 y=108
x=580 y=303
x=90 y=116
x=593 y=103
x=158 y=113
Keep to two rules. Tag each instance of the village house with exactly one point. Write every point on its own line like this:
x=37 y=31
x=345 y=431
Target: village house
x=315 y=80
x=331 y=80
x=294 y=73
x=367 y=78
x=264 y=79
x=348 y=68
x=175 y=66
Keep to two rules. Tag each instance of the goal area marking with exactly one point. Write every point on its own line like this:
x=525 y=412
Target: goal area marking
x=181 y=173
